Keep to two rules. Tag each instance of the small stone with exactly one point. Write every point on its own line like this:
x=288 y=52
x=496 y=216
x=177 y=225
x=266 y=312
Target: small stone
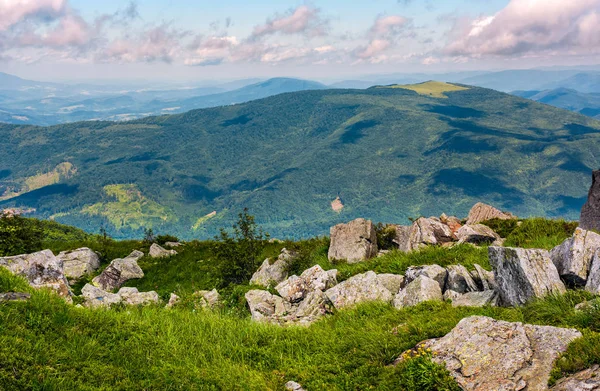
x=173 y=300
x=209 y=299
x=156 y=251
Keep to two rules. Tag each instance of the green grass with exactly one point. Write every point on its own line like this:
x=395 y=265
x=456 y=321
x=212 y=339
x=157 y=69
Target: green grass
x=533 y=233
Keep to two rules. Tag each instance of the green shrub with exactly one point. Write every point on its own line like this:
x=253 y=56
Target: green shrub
x=162 y=239
x=540 y=233
x=417 y=372
x=386 y=233
x=19 y=236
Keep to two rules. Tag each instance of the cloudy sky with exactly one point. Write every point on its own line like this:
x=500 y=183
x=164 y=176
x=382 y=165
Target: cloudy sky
x=227 y=39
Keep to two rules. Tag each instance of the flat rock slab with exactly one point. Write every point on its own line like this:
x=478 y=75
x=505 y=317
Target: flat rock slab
x=484 y=354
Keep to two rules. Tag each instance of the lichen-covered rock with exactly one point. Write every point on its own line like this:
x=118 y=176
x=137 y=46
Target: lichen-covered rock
x=266 y=307
x=586 y=380
x=573 y=257
x=14 y=296
x=359 y=289
x=295 y=288
x=451 y=295
x=484 y=279
x=452 y=222
x=477 y=234
x=156 y=251
x=96 y=297
x=41 y=269
x=131 y=296
x=429 y=231
x=483 y=354
x=460 y=280
x=481 y=212
x=393 y=282
x=419 y=290
x=524 y=274
x=209 y=299
x=353 y=242
x=475 y=299
x=273 y=274
x=590 y=213
x=593 y=281
x=119 y=271
x=315 y=305
x=78 y=263
x=435 y=272
x=402 y=238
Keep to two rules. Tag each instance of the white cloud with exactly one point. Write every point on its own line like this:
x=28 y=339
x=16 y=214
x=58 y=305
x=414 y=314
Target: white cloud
x=301 y=20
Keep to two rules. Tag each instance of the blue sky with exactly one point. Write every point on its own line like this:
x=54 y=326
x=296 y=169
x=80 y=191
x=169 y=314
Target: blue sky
x=193 y=40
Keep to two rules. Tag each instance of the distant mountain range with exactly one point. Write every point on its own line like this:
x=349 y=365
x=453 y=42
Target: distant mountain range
x=384 y=153
x=586 y=104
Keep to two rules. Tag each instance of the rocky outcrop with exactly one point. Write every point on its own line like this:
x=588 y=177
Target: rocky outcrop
x=208 y=299
x=593 y=281
x=95 y=297
x=484 y=354
x=41 y=269
x=523 y=274
x=573 y=257
x=587 y=380
x=78 y=263
x=295 y=288
x=419 y=290
x=363 y=288
x=481 y=212
x=119 y=271
x=156 y=251
x=14 y=296
x=272 y=274
x=353 y=242
x=459 y=279
x=590 y=213
x=477 y=234
x=435 y=272
x=429 y=231
x=475 y=299
x=266 y=307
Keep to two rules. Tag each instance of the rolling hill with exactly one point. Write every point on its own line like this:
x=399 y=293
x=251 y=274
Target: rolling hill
x=565 y=98
x=389 y=154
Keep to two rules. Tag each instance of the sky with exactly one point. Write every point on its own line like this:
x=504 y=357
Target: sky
x=324 y=40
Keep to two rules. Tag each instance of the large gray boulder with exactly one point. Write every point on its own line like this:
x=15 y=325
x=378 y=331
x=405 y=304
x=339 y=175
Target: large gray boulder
x=484 y=354
x=359 y=289
x=119 y=271
x=272 y=274
x=460 y=280
x=429 y=231
x=573 y=257
x=590 y=213
x=353 y=242
x=586 y=380
x=78 y=263
x=435 y=272
x=593 y=281
x=296 y=288
x=419 y=290
x=475 y=299
x=524 y=274
x=41 y=269
x=481 y=212
x=156 y=251
x=477 y=234
x=402 y=238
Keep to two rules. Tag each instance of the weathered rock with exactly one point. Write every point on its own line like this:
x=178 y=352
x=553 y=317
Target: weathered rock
x=451 y=295
x=483 y=278
x=80 y=262
x=419 y=290
x=14 y=296
x=293 y=386
x=460 y=280
x=266 y=307
x=173 y=244
x=173 y=300
x=477 y=234
x=269 y=274
x=452 y=222
x=209 y=299
x=402 y=238
x=315 y=305
x=573 y=257
x=476 y=299
x=393 y=282
x=587 y=380
x=429 y=231
x=484 y=354
x=523 y=274
x=435 y=272
x=119 y=271
x=359 y=289
x=41 y=269
x=590 y=213
x=354 y=242
x=156 y=251
x=96 y=297
x=131 y=296
x=295 y=288
x=481 y=212
x=588 y=305
x=593 y=281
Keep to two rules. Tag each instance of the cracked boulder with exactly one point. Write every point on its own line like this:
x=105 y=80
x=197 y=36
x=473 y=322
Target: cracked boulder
x=273 y=273
x=295 y=288
x=362 y=288
x=78 y=263
x=119 y=271
x=417 y=291
x=484 y=354
x=481 y=212
x=41 y=269
x=131 y=296
x=353 y=242
x=460 y=280
x=435 y=272
x=429 y=231
x=573 y=257
x=524 y=274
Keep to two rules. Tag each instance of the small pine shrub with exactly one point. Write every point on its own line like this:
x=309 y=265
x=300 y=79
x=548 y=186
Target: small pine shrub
x=386 y=234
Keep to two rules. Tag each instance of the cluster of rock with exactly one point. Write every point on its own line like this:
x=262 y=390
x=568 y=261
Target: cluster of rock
x=356 y=241
x=96 y=297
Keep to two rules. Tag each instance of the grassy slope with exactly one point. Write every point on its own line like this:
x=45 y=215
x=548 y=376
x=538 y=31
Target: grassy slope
x=47 y=344
x=389 y=153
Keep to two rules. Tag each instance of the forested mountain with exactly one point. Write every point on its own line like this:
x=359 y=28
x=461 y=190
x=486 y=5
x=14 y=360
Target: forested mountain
x=389 y=154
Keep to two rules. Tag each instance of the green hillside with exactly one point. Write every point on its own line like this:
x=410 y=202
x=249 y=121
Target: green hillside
x=388 y=153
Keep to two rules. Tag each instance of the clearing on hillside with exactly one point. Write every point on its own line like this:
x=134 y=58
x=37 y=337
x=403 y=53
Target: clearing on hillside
x=432 y=88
